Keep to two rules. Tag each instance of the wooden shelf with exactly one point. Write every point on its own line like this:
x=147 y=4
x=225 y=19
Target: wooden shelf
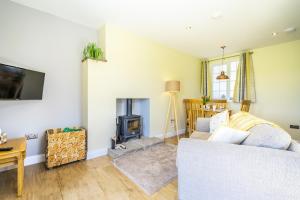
x=102 y=60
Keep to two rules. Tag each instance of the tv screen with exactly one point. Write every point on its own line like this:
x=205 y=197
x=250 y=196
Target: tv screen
x=21 y=84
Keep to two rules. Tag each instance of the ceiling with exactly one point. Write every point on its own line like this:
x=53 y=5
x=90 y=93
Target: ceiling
x=187 y=25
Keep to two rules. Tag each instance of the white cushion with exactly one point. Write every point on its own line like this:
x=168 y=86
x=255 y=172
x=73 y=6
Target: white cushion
x=202 y=124
x=218 y=120
x=228 y=135
x=265 y=135
x=294 y=146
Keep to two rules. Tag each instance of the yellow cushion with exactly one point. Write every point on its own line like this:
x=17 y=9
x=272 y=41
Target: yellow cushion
x=245 y=121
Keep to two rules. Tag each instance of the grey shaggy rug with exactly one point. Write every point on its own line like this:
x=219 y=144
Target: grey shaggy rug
x=150 y=169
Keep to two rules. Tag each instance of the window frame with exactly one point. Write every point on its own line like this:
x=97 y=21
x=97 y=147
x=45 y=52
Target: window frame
x=229 y=72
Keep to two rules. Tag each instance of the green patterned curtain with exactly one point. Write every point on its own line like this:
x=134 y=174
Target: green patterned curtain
x=244 y=88
x=205 y=79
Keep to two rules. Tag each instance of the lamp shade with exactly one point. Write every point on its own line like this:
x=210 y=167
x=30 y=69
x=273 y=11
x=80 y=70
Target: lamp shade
x=172 y=86
x=222 y=76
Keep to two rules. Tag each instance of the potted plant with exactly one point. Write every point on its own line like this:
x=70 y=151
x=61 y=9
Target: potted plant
x=205 y=99
x=91 y=51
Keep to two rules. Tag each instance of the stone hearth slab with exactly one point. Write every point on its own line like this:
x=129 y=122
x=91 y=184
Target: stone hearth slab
x=147 y=142
x=134 y=145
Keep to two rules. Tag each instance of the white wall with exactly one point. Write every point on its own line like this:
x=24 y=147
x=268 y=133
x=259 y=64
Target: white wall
x=42 y=42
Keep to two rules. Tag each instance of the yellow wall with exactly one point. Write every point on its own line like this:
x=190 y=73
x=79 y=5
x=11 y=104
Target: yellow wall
x=277 y=76
x=138 y=68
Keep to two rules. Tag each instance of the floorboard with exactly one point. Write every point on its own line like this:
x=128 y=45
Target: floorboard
x=84 y=180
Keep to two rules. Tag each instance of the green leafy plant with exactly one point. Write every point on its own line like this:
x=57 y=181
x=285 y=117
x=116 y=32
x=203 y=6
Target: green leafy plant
x=67 y=129
x=205 y=99
x=91 y=51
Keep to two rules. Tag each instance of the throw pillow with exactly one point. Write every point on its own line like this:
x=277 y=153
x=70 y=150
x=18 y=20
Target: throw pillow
x=294 y=146
x=218 y=120
x=228 y=135
x=265 y=135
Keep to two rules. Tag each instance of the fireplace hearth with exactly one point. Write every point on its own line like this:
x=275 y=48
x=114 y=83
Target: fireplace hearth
x=129 y=125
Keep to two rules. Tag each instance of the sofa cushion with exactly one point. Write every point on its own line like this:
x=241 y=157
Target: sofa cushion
x=202 y=124
x=200 y=135
x=245 y=121
x=265 y=135
x=218 y=120
x=294 y=146
x=228 y=135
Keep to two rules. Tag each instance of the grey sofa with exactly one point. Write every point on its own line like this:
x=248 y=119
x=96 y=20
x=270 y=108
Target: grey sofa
x=218 y=171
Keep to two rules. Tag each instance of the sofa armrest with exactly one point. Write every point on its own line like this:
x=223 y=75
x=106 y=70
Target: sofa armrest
x=210 y=170
x=202 y=124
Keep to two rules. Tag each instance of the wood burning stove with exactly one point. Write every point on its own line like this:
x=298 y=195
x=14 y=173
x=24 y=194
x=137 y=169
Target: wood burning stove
x=129 y=125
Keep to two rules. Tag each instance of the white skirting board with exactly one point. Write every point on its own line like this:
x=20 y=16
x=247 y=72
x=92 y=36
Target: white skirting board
x=170 y=133
x=31 y=160
x=96 y=153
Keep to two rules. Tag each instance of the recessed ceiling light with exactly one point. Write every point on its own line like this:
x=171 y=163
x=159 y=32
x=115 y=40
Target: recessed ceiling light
x=216 y=15
x=274 y=34
x=188 y=28
x=289 y=29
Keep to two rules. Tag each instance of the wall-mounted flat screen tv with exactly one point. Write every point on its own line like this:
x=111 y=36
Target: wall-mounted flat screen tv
x=20 y=84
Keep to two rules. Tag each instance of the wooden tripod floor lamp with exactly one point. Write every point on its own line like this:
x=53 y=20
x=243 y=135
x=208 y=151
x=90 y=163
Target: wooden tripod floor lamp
x=172 y=87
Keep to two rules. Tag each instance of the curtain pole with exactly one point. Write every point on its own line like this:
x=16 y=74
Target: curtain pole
x=237 y=55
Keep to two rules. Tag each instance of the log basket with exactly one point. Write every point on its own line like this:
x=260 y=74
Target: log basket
x=65 y=147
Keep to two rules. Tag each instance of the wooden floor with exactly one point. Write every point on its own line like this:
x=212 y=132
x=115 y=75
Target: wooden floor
x=91 y=179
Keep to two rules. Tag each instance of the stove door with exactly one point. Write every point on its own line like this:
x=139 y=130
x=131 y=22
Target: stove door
x=133 y=126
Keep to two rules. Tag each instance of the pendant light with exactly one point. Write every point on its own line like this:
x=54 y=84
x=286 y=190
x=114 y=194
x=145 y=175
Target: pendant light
x=223 y=76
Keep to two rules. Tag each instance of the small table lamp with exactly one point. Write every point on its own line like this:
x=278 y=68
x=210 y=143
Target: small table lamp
x=172 y=87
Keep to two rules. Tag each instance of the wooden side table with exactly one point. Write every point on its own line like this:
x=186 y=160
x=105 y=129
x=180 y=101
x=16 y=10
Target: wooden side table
x=15 y=156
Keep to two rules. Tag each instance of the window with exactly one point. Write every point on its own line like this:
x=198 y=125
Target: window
x=223 y=89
